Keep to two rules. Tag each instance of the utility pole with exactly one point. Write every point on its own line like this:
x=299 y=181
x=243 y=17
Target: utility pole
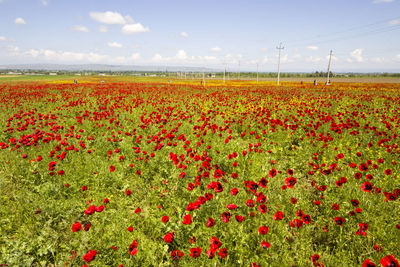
x=204 y=79
x=329 y=68
x=257 y=72
x=239 y=71
x=224 y=71
x=279 y=60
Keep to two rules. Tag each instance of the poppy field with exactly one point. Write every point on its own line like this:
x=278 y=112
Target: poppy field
x=177 y=174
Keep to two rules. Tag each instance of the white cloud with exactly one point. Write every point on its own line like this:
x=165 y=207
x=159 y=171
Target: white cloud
x=378 y=60
x=19 y=21
x=108 y=17
x=135 y=56
x=394 y=22
x=312 y=47
x=232 y=59
x=127 y=60
x=313 y=59
x=44 y=2
x=134 y=28
x=382 y=1
x=64 y=56
x=79 y=28
x=129 y=19
x=265 y=59
x=114 y=44
x=157 y=58
x=13 y=50
x=184 y=34
x=181 y=55
x=216 y=49
x=357 y=55
x=2 y=38
x=103 y=28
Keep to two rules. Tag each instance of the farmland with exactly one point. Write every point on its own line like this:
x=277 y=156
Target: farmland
x=172 y=173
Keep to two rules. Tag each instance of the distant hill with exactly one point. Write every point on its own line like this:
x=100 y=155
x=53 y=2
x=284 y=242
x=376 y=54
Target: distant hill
x=102 y=67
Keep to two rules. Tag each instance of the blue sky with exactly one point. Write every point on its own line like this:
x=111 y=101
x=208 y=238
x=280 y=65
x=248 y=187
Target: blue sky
x=363 y=34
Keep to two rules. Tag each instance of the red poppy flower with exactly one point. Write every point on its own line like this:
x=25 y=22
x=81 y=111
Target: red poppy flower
x=261 y=198
x=176 y=255
x=87 y=226
x=391 y=197
x=112 y=168
x=263 y=230
x=339 y=221
x=250 y=203
x=306 y=219
x=296 y=223
x=195 y=252
x=363 y=167
x=389 y=261
x=363 y=228
x=88 y=257
x=130 y=229
x=225 y=216
x=133 y=248
x=234 y=191
x=272 y=173
x=223 y=252
x=263 y=183
x=239 y=218
x=169 y=237
x=210 y=254
x=262 y=208
x=367 y=186
x=388 y=171
x=76 y=227
x=231 y=206
x=187 y=219
x=368 y=263
x=265 y=244
x=355 y=202
x=215 y=244
x=165 y=219
x=290 y=182
x=90 y=210
x=315 y=258
x=100 y=208
x=335 y=207
x=278 y=215
x=210 y=222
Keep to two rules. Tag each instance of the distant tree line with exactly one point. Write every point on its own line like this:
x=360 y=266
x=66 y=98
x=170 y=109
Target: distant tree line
x=208 y=74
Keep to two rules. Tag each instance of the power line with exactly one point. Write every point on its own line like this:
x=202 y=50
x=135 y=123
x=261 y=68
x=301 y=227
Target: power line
x=344 y=31
x=372 y=32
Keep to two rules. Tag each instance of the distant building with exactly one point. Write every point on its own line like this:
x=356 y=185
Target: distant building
x=53 y=73
x=14 y=73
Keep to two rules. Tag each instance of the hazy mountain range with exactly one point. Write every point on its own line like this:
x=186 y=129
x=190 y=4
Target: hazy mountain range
x=101 y=67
